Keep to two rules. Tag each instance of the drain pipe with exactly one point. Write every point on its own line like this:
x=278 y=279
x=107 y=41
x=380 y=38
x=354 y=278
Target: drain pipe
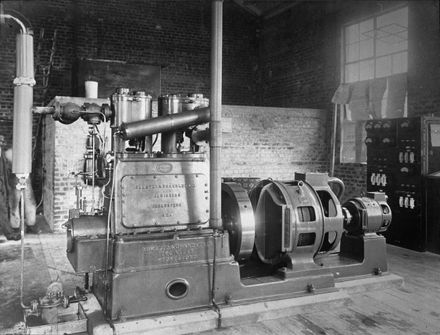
x=216 y=114
x=22 y=123
x=215 y=221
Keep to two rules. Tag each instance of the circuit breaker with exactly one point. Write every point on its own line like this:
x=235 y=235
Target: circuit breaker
x=400 y=154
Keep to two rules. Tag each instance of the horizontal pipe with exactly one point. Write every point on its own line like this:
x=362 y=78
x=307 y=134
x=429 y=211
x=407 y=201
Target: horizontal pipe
x=23 y=28
x=164 y=123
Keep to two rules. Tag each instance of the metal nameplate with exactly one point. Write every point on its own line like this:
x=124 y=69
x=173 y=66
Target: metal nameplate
x=174 y=253
x=164 y=200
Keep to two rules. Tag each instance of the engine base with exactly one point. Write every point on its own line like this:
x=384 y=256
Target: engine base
x=232 y=315
x=158 y=276
x=359 y=255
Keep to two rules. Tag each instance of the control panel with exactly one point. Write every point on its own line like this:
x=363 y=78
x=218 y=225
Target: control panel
x=400 y=154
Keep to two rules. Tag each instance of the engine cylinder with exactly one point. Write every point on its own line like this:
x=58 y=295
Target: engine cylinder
x=167 y=105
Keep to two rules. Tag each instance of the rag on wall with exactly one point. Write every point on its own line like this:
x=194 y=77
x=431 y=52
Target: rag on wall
x=359 y=102
x=342 y=95
x=377 y=89
x=396 y=96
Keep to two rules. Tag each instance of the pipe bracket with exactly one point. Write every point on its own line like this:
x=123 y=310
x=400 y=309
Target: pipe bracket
x=24 y=81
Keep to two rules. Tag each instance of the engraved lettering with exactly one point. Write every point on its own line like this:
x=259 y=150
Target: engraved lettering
x=166 y=205
x=166 y=195
x=164 y=199
x=164 y=186
x=171 y=254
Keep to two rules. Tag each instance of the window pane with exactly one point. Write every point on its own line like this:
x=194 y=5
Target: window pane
x=382 y=47
x=366 y=70
x=366 y=29
x=392 y=32
x=352 y=34
x=400 y=63
x=389 y=42
x=399 y=17
x=383 y=66
x=352 y=52
x=352 y=72
x=366 y=49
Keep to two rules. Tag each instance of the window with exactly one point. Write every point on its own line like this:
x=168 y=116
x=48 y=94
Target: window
x=377 y=47
x=375 y=59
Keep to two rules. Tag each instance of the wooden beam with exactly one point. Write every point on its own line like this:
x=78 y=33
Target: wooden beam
x=281 y=8
x=249 y=7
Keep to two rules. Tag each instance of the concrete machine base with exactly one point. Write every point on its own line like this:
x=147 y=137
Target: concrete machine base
x=203 y=320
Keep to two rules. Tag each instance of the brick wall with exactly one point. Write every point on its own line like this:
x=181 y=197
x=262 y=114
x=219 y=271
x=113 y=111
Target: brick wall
x=300 y=57
x=65 y=146
x=291 y=61
x=423 y=58
x=273 y=142
x=173 y=34
x=301 y=67
x=262 y=142
x=354 y=178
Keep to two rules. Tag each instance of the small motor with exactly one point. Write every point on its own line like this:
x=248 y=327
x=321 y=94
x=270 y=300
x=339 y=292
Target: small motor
x=47 y=307
x=370 y=214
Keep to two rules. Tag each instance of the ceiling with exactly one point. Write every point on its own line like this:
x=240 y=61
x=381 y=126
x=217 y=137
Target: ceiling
x=267 y=8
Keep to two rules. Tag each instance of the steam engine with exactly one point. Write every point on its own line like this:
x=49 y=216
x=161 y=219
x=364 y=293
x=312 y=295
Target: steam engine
x=153 y=250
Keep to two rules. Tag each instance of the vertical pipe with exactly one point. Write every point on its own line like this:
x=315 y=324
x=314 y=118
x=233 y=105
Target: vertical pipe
x=141 y=110
x=23 y=100
x=216 y=114
x=167 y=105
x=93 y=133
x=333 y=141
x=119 y=101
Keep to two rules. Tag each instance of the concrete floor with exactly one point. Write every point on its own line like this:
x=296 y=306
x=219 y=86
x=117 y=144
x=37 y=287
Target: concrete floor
x=412 y=309
x=45 y=261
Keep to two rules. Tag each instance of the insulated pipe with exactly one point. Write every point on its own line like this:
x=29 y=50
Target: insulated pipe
x=23 y=100
x=22 y=126
x=164 y=123
x=216 y=115
x=21 y=24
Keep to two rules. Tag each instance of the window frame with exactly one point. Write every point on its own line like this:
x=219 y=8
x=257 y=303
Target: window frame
x=343 y=63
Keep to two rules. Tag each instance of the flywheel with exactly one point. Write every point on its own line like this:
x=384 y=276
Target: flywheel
x=238 y=220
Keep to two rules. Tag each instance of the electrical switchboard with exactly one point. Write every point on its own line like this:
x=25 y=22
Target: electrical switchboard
x=400 y=154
